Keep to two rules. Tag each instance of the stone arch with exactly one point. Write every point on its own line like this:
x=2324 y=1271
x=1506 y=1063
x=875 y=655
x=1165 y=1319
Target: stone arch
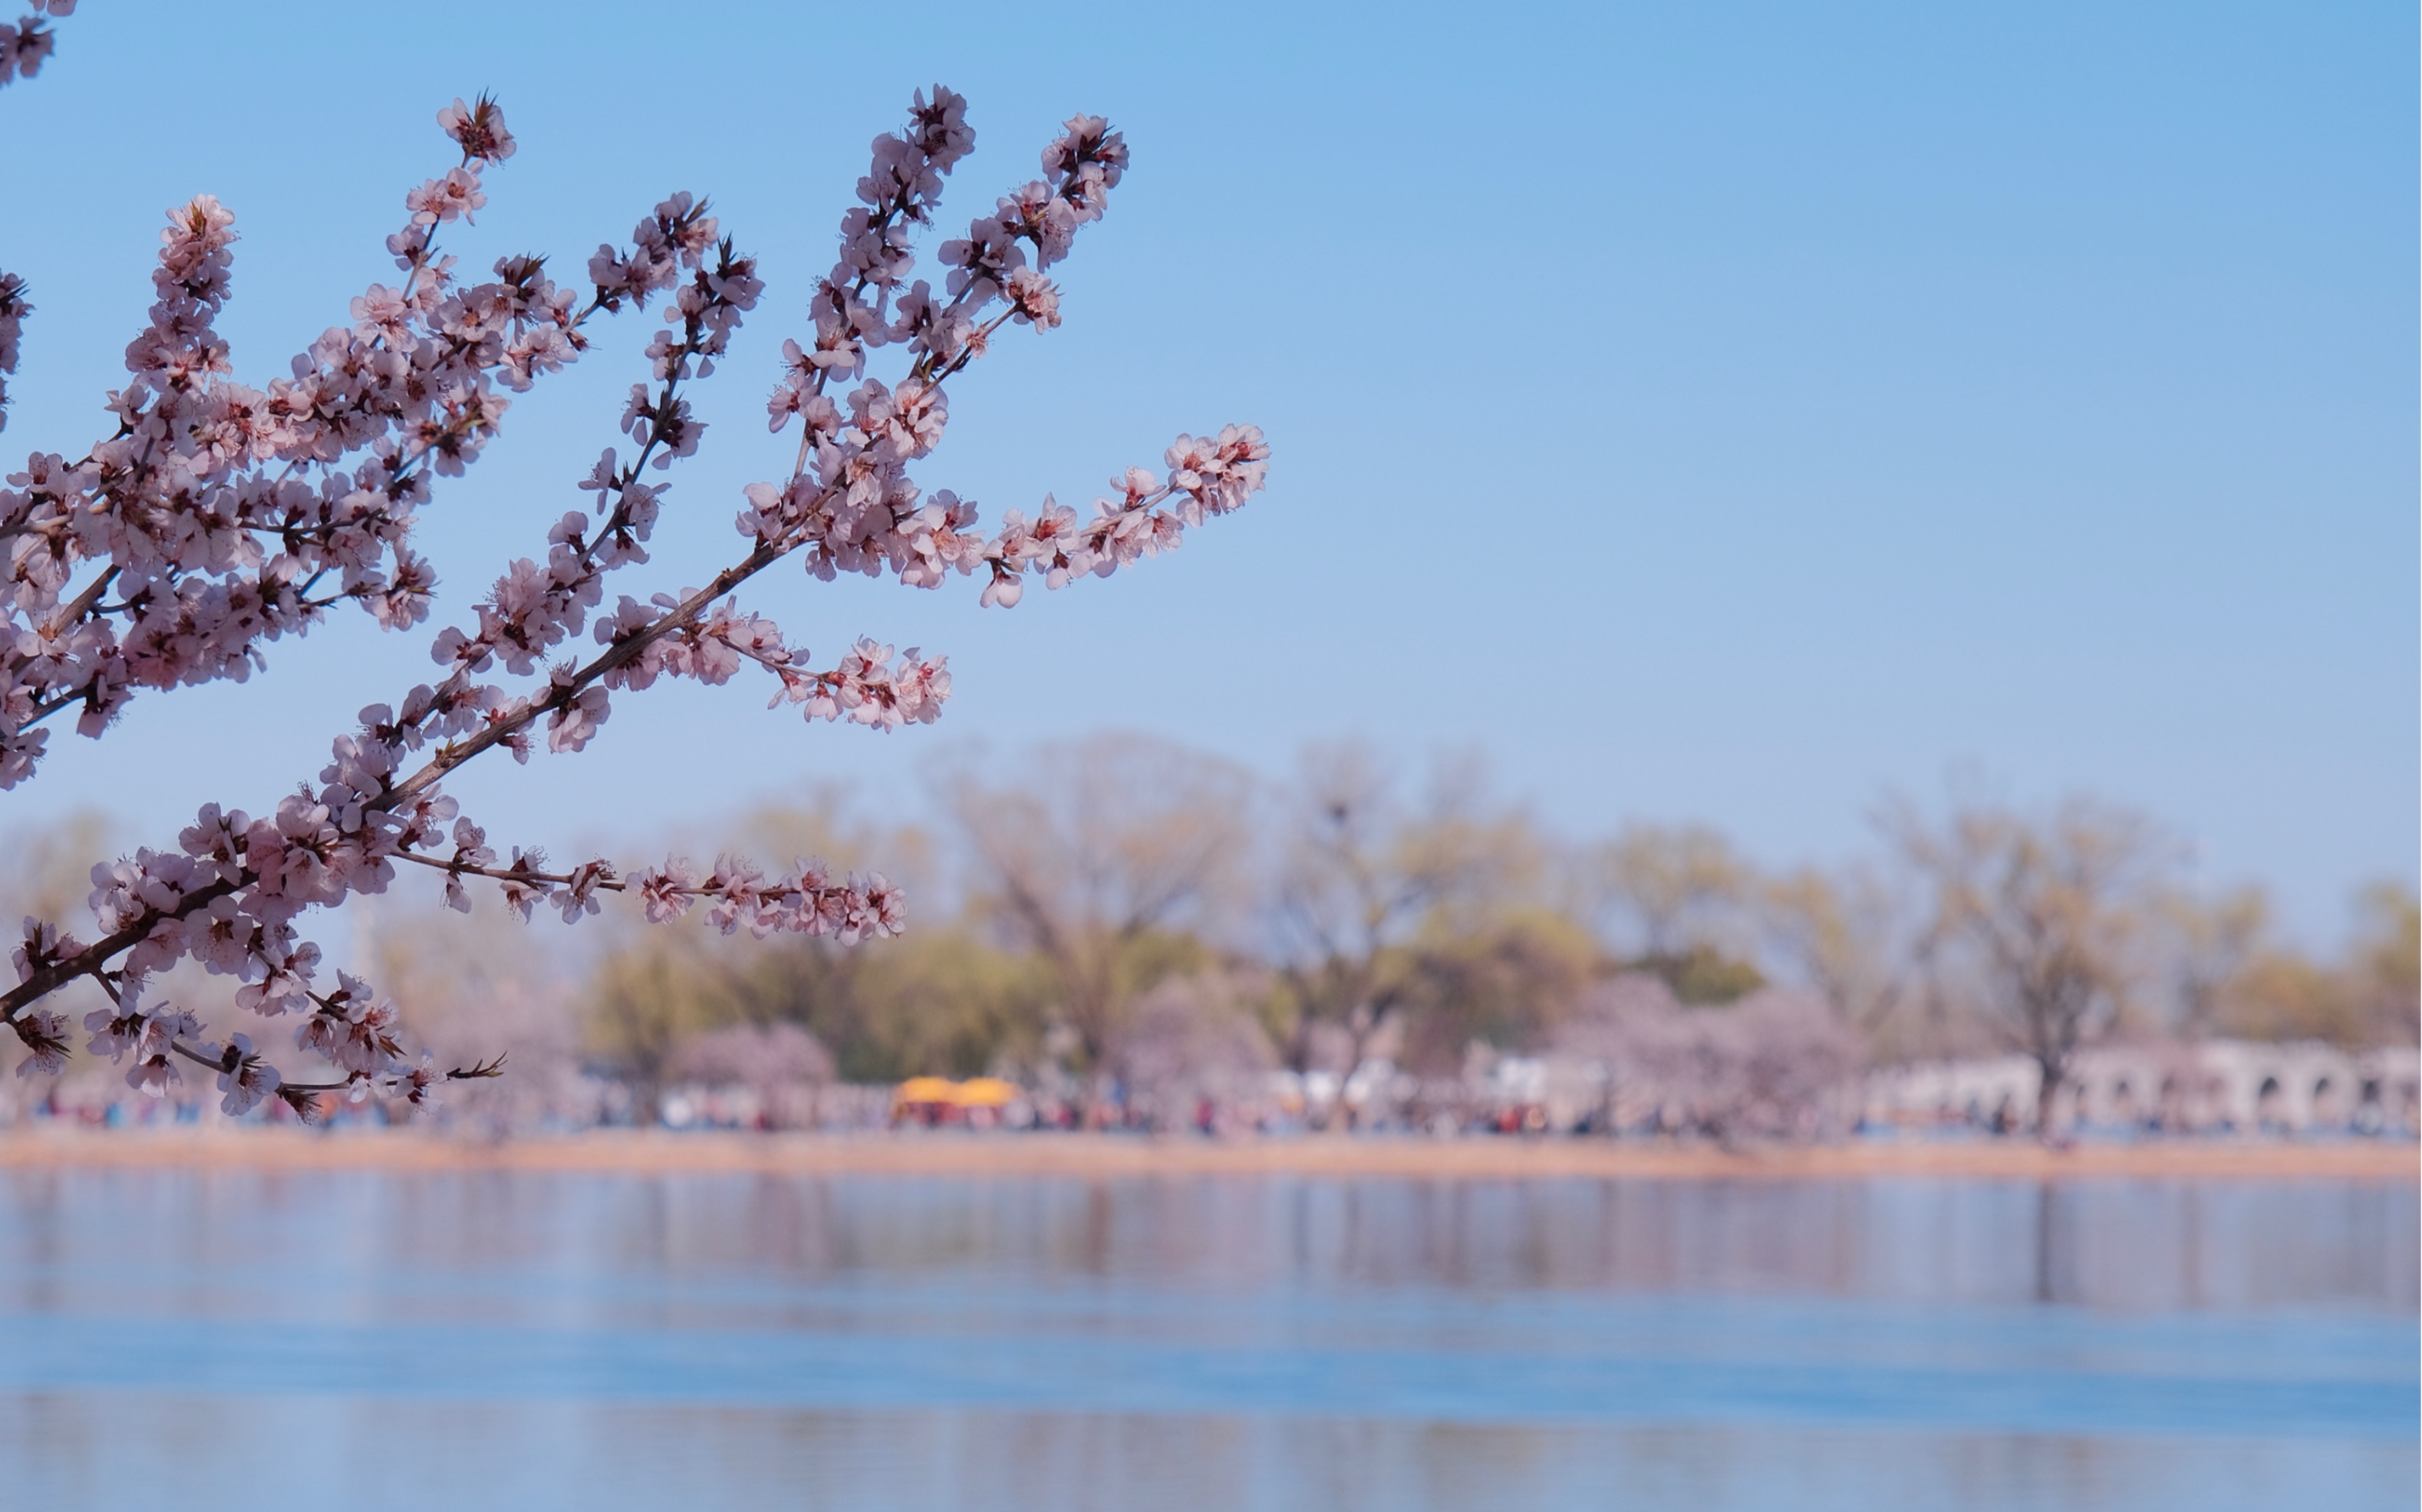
x=2268 y=1100
x=2325 y=1101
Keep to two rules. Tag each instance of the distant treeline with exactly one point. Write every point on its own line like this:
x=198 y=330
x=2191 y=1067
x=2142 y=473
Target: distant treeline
x=1090 y=918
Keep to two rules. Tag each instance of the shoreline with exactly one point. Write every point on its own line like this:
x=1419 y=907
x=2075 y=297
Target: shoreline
x=650 y=1152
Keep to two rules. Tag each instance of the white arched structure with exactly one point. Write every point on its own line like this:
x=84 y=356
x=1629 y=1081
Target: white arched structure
x=2221 y=1085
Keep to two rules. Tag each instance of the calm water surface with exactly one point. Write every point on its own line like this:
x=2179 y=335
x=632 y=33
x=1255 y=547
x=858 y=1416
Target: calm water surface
x=207 y=1340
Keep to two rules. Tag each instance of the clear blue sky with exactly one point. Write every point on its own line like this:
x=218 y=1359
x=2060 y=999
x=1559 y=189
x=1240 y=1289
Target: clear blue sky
x=1716 y=412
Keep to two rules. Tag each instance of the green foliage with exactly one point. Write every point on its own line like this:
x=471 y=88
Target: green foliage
x=2283 y=996
x=1506 y=979
x=2370 y=998
x=2388 y=963
x=938 y=1000
x=1704 y=976
x=1137 y=960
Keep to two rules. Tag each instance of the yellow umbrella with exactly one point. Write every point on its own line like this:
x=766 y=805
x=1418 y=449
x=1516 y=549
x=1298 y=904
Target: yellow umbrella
x=987 y=1091
x=927 y=1090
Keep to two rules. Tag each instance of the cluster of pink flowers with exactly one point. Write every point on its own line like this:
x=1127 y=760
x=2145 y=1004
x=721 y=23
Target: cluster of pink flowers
x=220 y=516
x=25 y=45
x=804 y=901
x=202 y=466
x=851 y=500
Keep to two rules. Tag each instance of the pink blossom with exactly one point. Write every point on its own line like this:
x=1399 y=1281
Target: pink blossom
x=665 y=891
x=1034 y=298
x=354 y=1030
x=382 y=314
x=44 y=946
x=573 y=725
x=417 y=1085
x=243 y=1077
x=480 y=128
x=44 y=1037
x=222 y=516
x=415 y=369
x=441 y=199
x=22 y=48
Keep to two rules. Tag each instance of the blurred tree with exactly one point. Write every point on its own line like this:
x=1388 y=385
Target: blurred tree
x=827 y=821
x=480 y=987
x=939 y=1001
x=1107 y=862
x=1360 y=871
x=2210 y=944
x=1505 y=981
x=46 y=865
x=647 y=1001
x=2370 y=998
x=1844 y=934
x=1706 y=975
x=2387 y=964
x=1193 y=1038
x=46 y=873
x=780 y=1067
x=1773 y=1065
x=2045 y=917
x=1678 y=904
x=759 y=1059
x=2285 y=995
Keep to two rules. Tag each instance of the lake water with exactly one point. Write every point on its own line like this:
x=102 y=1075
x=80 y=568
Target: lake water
x=224 y=1339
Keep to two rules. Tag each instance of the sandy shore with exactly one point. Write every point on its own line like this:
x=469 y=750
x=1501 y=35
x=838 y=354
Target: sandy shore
x=1100 y=1155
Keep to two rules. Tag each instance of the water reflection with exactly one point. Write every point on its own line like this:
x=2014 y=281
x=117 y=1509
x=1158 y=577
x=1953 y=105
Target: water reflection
x=608 y=1342
x=2123 y=1244
x=551 y=1455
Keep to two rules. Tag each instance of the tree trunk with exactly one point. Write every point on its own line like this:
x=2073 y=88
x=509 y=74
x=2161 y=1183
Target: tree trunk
x=2055 y=1076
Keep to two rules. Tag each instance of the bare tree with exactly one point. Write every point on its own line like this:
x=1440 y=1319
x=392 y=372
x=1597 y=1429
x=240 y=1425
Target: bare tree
x=1096 y=856
x=1847 y=936
x=2210 y=944
x=1678 y=902
x=2368 y=996
x=2387 y=964
x=2045 y=917
x=1361 y=871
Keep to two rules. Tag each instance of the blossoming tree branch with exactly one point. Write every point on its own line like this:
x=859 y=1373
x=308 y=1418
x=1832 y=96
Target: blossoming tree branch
x=215 y=517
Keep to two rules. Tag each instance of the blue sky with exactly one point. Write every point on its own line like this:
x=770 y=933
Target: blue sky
x=1723 y=413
